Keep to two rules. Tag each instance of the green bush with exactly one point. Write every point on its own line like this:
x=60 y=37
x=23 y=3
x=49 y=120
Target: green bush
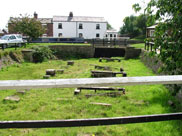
x=42 y=53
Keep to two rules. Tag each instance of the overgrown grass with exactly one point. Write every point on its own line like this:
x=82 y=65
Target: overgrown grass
x=52 y=104
x=139 y=45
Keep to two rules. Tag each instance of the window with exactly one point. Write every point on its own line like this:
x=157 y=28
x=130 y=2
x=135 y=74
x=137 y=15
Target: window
x=114 y=35
x=110 y=35
x=97 y=35
x=60 y=26
x=80 y=35
x=151 y=33
x=12 y=37
x=97 y=26
x=80 y=26
x=60 y=35
x=106 y=35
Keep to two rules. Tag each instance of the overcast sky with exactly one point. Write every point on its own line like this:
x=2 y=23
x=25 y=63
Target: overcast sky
x=114 y=11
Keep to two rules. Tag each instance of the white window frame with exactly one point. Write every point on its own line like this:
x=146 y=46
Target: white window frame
x=97 y=34
x=152 y=33
x=80 y=35
x=97 y=26
x=59 y=25
x=80 y=26
x=60 y=34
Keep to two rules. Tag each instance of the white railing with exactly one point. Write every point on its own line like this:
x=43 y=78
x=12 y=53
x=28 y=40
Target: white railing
x=89 y=82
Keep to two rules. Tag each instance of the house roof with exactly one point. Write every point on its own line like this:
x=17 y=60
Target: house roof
x=112 y=31
x=45 y=20
x=152 y=27
x=78 y=19
x=42 y=20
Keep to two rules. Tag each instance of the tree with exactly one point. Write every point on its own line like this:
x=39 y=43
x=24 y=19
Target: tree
x=129 y=26
x=27 y=26
x=135 y=25
x=109 y=26
x=168 y=33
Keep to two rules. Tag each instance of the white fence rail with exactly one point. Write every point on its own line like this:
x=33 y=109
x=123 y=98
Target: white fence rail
x=89 y=82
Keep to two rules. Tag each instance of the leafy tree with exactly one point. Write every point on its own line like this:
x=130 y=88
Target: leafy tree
x=136 y=7
x=129 y=26
x=27 y=26
x=168 y=33
x=109 y=26
x=136 y=25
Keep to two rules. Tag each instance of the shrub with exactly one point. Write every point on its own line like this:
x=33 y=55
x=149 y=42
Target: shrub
x=42 y=53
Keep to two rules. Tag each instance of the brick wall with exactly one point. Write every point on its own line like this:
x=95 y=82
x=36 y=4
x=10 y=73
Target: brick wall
x=49 y=30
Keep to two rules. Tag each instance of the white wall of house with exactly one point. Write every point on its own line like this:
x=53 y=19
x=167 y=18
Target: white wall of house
x=68 y=29
x=88 y=31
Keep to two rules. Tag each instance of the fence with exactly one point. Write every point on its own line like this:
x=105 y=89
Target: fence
x=89 y=82
x=58 y=40
x=97 y=42
x=108 y=42
x=149 y=46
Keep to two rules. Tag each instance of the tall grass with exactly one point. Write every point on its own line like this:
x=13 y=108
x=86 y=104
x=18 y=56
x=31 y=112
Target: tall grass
x=52 y=104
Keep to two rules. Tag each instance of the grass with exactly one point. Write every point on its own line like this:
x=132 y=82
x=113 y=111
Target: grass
x=139 y=45
x=52 y=104
x=139 y=38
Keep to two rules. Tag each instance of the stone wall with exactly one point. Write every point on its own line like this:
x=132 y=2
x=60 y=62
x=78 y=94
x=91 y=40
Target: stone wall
x=64 y=51
x=155 y=64
x=151 y=61
x=131 y=53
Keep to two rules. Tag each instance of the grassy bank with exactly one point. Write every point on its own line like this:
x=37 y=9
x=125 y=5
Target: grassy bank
x=52 y=104
x=139 y=45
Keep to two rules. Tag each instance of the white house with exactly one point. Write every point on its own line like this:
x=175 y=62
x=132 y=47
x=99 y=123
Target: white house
x=79 y=26
x=111 y=34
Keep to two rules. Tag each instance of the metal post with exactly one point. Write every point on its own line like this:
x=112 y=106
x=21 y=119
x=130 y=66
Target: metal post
x=15 y=46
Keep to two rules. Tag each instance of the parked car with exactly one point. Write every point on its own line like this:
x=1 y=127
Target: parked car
x=12 y=40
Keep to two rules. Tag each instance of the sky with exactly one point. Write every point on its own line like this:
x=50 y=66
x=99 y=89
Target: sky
x=114 y=11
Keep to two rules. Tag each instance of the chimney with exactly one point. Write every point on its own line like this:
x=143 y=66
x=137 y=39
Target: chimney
x=71 y=14
x=35 y=15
